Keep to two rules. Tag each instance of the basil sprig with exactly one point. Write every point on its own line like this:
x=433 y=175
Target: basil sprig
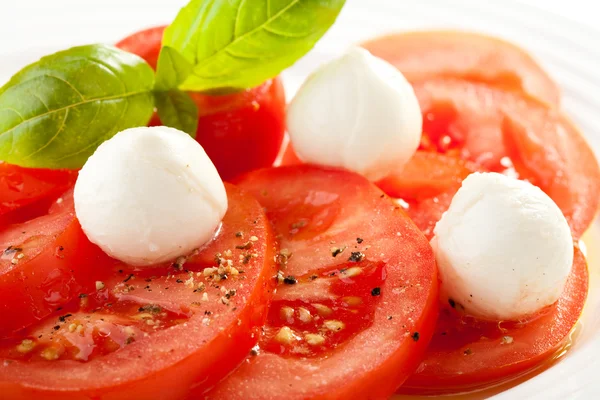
x=238 y=44
x=56 y=112
x=175 y=108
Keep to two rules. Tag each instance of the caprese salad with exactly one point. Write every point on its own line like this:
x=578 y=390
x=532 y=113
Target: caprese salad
x=170 y=228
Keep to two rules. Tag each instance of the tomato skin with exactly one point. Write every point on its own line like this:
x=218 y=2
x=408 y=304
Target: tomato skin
x=474 y=57
x=466 y=355
x=21 y=187
x=240 y=131
x=309 y=208
x=170 y=362
x=63 y=265
x=145 y=43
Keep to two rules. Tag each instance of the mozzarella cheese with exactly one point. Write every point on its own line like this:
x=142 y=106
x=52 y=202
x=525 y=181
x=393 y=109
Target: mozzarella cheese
x=149 y=195
x=357 y=112
x=504 y=248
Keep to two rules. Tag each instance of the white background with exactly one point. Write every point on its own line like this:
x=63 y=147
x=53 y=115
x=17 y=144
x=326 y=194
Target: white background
x=31 y=24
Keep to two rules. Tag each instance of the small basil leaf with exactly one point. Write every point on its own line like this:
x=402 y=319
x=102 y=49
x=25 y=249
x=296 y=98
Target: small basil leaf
x=55 y=112
x=177 y=110
x=242 y=43
x=172 y=69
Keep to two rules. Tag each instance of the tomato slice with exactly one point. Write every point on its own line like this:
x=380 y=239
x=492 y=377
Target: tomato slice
x=467 y=354
x=426 y=186
x=357 y=298
x=239 y=131
x=20 y=187
x=45 y=263
x=471 y=56
x=154 y=333
x=506 y=132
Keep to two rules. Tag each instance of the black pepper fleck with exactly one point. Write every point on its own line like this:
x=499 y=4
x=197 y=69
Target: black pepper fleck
x=245 y=246
x=64 y=317
x=356 y=256
x=415 y=336
x=337 y=251
x=376 y=291
x=290 y=280
x=452 y=303
x=359 y=240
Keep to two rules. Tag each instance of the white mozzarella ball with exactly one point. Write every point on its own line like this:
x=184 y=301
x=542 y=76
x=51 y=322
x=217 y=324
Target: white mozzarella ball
x=149 y=195
x=357 y=112
x=504 y=248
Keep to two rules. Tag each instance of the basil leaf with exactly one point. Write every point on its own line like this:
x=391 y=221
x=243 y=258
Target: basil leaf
x=177 y=110
x=241 y=43
x=172 y=69
x=55 y=112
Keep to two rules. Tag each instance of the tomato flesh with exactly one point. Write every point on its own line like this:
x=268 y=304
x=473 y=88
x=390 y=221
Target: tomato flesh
x=468 y=354
x=427 y=185
x=158 y=332
x=471 y=56
x=45 y=263
x=239 y=131
x=355 y=305
x=29 y=189
x=505 y=132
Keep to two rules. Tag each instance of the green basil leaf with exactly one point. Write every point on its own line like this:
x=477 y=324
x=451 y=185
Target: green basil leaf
x=54 y=113
x=241 y=43
x=172 y=69
x=177 y=110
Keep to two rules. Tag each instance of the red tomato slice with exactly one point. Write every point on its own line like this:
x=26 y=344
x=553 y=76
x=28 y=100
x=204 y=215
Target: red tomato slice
x=427 y=175
x=467 y=354
x=20 y=187
x=504 y=131
x=154 y=334
x=471 y=56
x=427 y=185
x=240 y=131
x=358 y=294
x=45 y=263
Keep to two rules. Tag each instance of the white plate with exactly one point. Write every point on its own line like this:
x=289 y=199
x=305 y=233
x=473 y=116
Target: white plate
x=565 y=46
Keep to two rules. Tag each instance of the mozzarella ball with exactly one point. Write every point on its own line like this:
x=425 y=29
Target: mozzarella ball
x=503 y=248
x=149 y=195
x=357 y=112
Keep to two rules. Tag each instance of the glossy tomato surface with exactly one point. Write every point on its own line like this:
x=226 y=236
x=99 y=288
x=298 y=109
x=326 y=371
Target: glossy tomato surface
x=426 y=185
x=37 y=188
x=45 y=263
x=425 y=55
x=145 y=43
x=153 y=333
x=467 y=354
x=506 y=132
x=240 y=131
x=357 y=298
